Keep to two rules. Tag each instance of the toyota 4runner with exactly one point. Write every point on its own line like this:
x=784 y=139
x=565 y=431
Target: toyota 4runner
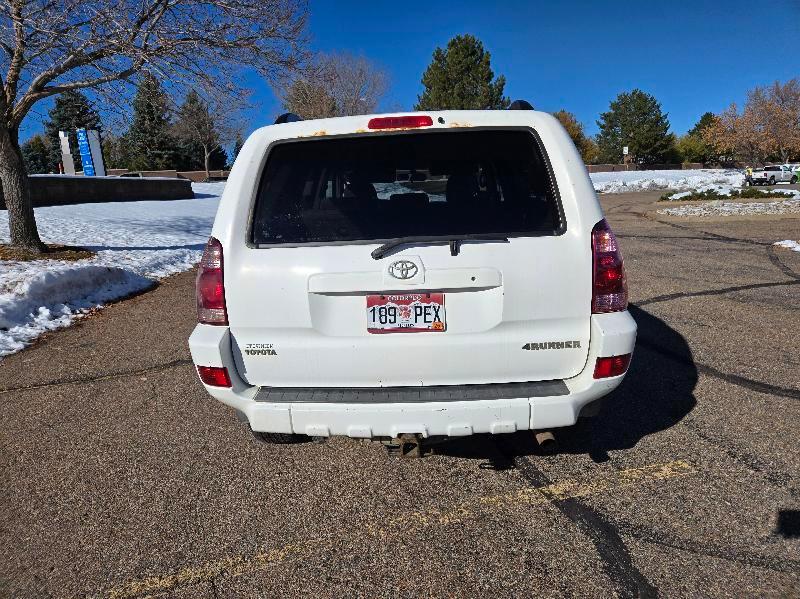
x=426 y=274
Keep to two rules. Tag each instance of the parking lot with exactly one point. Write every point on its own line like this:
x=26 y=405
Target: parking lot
x=120 y=477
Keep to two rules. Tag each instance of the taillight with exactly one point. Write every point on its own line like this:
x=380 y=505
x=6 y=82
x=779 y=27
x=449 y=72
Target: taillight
x=216 y=376
x=609 y=287
x=210 y=286
x=611 y=366
x=400 y=122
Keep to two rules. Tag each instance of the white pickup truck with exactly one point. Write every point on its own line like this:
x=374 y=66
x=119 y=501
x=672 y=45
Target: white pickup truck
x=770 y=175
x=420 y=275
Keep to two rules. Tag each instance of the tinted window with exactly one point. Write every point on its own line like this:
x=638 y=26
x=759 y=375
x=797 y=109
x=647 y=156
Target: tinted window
x=421 y=184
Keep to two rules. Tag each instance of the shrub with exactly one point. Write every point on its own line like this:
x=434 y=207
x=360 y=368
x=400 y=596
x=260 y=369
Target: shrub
x=713 y=194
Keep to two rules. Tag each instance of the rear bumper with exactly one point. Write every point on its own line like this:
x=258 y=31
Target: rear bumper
x=455 y=411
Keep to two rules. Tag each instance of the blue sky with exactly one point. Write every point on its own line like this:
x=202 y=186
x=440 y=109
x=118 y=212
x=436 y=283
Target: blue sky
x=692 y=56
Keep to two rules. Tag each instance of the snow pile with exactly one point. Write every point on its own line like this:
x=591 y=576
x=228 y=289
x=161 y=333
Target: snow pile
x=42 y=297
x=722 y=208
x=789 y=245
x=137 y=243
x=629 y=181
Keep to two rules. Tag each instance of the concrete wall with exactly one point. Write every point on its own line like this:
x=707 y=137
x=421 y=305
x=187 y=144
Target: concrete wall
x=196 y=176
x=61 y=190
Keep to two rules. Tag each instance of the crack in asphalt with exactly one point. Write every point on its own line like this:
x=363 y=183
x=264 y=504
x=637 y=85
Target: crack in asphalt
x=747 y=459
x=663 y=539
x=770 y=247
x=681 y=294
x=778 y=263
x=709 y=234
x=601 y=531
x=734 y=379
x=664 y=237
x=99 y=377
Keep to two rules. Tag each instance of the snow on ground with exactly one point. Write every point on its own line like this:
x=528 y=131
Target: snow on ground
x=723 y=208
x=789 y=245
x=137 y=243
x=629 y=181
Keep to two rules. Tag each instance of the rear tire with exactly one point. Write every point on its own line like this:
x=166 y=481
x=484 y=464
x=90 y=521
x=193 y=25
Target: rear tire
x=793 y=180
x=279 y=438
x=772 y=180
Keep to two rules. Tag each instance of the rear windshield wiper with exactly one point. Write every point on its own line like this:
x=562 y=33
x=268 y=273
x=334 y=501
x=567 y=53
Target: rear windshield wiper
x=455 y=243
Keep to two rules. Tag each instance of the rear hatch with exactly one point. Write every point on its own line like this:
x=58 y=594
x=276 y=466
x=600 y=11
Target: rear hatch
x=409 y=258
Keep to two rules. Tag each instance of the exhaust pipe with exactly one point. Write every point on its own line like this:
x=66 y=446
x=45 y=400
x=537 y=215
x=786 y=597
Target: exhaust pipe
x=546 y=441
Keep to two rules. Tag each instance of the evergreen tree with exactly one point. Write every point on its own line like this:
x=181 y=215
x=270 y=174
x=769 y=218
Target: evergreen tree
x=461 y=78
x=150 y=143
x=36 y=154
x=72 y=110
x=635 y=120
x=705 y=121
x=237 y=145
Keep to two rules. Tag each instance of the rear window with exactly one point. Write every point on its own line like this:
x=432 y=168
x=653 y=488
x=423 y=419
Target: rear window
x=382 y=187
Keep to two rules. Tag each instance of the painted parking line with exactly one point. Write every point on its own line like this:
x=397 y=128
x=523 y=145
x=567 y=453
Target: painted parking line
x=403 y=524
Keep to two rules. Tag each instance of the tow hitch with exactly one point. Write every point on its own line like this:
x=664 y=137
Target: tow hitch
x=412 y=445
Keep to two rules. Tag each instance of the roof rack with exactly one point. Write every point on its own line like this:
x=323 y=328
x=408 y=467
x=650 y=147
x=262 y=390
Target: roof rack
x=520 y=105
x=287 y=117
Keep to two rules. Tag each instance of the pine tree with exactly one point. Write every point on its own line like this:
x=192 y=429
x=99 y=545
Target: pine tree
x=36 y=154
x=705 y=121
x=635 y=120
x=150 y=143
x=237 y=145
x=72 y=110
x=461 y=78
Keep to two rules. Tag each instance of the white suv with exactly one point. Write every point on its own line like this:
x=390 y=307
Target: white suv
x=417 y=275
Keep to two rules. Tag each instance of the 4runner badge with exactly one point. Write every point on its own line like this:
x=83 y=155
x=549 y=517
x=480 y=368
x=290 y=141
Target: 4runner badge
x=553 y=345
x=260 y=349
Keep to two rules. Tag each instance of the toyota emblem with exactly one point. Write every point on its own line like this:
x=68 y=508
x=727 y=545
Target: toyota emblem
x=403 y=269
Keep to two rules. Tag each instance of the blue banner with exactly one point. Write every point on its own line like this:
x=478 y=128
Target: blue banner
x=86 y=153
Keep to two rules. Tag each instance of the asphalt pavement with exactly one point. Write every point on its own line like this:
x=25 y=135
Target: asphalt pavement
x=120 y=477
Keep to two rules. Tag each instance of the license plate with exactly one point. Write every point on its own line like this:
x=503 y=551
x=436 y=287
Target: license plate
x=406 y=313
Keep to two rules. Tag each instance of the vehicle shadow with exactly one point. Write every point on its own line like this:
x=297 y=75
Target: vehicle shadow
x=656 y=394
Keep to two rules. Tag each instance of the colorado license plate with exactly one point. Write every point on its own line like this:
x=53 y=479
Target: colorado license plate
x=406 y=313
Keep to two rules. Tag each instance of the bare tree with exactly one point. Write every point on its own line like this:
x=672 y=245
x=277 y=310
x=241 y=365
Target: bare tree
x=737 y=136
x=777 y=107
x=337 y=84
x=767 y=127
x=209 y=122
x=49 y=46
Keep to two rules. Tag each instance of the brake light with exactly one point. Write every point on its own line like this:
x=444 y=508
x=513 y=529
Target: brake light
x=400 y=122
x=611 y=366
x=216 y=376
x=210 y=287
x=609 y=286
